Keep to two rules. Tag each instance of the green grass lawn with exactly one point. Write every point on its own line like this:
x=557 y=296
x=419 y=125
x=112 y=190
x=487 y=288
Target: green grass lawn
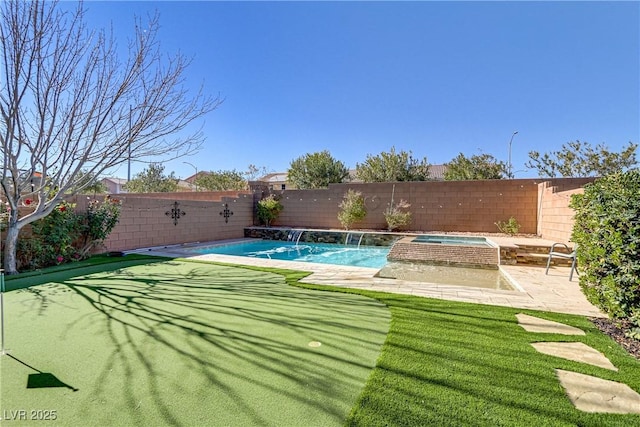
x=185 y=343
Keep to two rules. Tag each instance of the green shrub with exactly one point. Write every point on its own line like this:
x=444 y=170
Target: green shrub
x=352 y=209
x=67 y=235
x=56 y=234
x=607 y=231
x=99 y=221
x=396 y=217
x=268 y=209
x=510 y=227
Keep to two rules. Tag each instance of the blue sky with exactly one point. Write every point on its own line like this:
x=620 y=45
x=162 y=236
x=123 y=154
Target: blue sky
x=434 y=78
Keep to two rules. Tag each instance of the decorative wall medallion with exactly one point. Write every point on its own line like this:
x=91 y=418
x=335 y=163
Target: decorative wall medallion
x=175 y=213
x=226 y=213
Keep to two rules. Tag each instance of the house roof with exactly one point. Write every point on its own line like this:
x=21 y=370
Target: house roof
x=118 y=181
x=435 y=172
x=274 y=177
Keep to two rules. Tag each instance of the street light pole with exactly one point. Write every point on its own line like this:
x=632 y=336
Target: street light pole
x=195 y=179
x=129 y=148
x=509 y=165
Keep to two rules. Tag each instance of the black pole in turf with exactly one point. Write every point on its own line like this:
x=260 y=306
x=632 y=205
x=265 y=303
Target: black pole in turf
x=3 y=351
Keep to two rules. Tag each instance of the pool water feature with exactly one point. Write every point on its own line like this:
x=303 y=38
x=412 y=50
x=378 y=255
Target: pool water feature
x=446 y=275
x=322 y=253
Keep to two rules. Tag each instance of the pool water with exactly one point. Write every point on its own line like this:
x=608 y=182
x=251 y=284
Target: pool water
x=322 y=253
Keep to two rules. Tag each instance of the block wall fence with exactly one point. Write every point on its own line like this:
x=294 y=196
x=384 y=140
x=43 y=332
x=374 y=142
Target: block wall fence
x=466 y=206
x=539 y=205
x=152 y=221
x=555 y=217
x=472 y=206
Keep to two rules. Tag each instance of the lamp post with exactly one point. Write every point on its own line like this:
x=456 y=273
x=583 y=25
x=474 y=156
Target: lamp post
x=195 y=179
x=509 y=165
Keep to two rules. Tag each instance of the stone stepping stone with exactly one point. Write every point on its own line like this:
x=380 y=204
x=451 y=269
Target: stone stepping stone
x=577 y=351
x=535 y=324
x=591 y=394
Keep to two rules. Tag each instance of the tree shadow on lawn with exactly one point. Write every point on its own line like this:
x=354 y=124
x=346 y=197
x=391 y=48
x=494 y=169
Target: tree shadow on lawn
x=184 y=343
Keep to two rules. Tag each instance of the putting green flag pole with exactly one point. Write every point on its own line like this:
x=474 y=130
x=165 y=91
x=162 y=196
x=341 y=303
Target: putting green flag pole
x=4 y=350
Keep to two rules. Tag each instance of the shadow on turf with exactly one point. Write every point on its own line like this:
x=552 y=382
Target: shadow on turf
x=41 y=379
x=97 y=264
x=169 y=308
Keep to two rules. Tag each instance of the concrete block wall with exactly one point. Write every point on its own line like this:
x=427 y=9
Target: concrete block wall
x=146 y=222
x=540 y=206
x=187 y=195
x=555 y=218
x=472 y=206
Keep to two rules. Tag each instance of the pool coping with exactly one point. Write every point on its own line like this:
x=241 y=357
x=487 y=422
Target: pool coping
x=536 y=290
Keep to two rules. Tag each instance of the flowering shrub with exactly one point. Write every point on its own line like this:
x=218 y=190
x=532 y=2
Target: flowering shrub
x=100 y=220
x=56 y=234
x=66 y=235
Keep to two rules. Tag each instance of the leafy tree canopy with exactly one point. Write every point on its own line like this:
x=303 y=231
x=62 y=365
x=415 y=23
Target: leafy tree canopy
x=483 y=166
x=152 y=180
x=392 y=166
x=221 y=181
x=316 y=170
x=580 y=159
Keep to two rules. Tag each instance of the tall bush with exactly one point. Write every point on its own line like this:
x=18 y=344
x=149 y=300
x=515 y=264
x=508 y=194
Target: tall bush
x=352 y=209
x=99 y=220
x=607 y=231
x=268 y=209
x=394 y=215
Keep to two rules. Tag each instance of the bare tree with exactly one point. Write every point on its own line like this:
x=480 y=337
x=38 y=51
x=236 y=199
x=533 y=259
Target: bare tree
x=70 y=107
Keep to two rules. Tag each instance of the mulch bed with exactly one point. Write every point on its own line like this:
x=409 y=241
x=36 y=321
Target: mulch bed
x=616 y=330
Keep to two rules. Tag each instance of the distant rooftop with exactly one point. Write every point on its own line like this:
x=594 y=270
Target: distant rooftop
x=436 y=172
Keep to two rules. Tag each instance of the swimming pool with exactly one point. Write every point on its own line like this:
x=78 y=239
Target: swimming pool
x=322 y=253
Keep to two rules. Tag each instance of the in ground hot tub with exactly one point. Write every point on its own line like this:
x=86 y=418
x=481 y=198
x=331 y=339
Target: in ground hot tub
x=464 y=251
x=454 y=240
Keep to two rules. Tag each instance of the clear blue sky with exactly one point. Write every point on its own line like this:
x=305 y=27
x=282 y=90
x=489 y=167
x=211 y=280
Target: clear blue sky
x=434 y=78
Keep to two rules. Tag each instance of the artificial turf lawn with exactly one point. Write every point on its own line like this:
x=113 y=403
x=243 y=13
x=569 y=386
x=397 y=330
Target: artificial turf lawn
x=443 y=363
x=182 y=343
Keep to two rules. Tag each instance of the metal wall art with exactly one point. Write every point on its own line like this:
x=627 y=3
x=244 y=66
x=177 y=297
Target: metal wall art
x=226 y=213
x=176 y=213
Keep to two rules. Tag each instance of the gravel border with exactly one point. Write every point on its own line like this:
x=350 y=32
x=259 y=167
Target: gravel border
x=616 y=330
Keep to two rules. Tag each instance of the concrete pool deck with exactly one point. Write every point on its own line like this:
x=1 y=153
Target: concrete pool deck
x=537 y=291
